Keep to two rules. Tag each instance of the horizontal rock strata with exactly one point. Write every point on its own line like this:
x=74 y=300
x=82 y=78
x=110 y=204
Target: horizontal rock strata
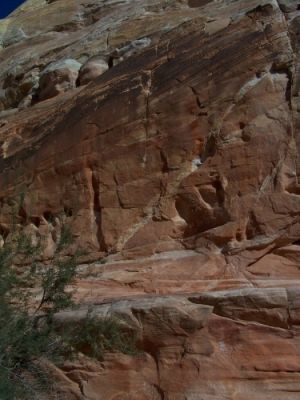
x=166 y=134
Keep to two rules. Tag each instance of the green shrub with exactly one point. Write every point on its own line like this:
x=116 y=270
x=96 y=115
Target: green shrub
x=28 y=331
x=95 y=335
x=28 y=335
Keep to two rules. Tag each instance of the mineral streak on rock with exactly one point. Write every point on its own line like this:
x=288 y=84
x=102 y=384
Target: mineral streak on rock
x=168 y=134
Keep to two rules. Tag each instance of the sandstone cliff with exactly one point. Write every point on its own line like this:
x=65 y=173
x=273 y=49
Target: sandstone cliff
x=168 y=133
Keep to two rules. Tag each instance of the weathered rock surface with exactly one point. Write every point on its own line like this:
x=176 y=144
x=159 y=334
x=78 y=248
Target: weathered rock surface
x=92 y=69
x=241 y=345
x=57 y=78
x=172 y=150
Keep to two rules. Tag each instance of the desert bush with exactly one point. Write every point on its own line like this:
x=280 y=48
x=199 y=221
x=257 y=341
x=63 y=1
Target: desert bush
x=96 y=335
x=28 y=332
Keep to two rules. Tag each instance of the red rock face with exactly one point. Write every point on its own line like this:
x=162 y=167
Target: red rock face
x=177 y=167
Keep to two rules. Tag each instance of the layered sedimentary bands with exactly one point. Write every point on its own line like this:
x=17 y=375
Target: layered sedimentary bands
x=168 y=134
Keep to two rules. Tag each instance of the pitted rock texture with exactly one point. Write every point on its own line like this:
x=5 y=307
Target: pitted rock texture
x=172 y=150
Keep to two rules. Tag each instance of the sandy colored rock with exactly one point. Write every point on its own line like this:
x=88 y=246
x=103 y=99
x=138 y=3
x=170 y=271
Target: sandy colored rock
x=177 y=169
x=57 y=78
x=91 y=70
x=200 y=354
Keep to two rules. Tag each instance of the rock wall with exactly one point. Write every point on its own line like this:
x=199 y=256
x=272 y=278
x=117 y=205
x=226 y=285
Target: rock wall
x=167 y=134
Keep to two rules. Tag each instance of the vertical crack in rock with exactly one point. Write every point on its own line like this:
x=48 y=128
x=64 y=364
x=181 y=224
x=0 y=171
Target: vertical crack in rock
x=160 y=392
x=147 y=88
x=285 y=70
x=107 y=39
x=289 y=316
x=97 y=212
x=158 y=386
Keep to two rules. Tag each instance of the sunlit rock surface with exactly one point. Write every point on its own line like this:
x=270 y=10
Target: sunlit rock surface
x=167 y=134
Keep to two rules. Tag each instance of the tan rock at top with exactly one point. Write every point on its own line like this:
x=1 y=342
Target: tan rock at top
x=177 y=168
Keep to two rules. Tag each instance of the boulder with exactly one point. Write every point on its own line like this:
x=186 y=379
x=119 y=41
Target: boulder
x=91 y=70
x=58 y=77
